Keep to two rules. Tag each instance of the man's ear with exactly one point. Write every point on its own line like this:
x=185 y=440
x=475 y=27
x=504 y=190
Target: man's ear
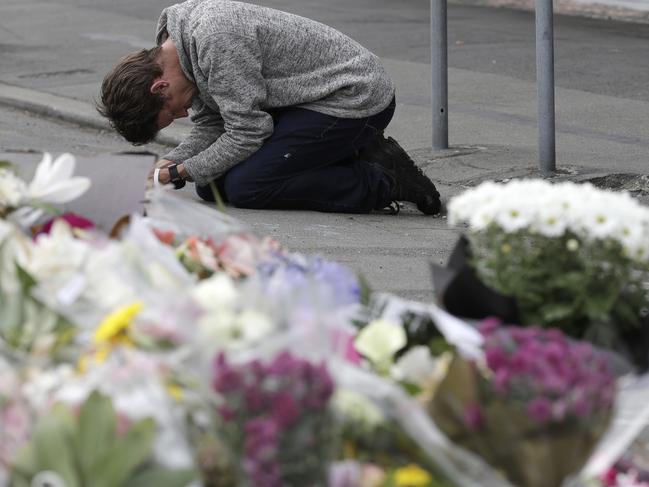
x=159 y=86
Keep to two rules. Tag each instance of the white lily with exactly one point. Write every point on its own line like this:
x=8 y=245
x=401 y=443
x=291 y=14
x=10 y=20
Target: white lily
x=53 y=181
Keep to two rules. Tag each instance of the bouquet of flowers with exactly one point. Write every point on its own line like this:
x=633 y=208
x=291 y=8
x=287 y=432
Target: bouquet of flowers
x=237 y=254
x=277 y=418
x=570 y=255
x=535 y=406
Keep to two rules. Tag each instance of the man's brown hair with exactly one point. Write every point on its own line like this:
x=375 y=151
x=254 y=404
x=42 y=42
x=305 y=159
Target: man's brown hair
x=126 y=98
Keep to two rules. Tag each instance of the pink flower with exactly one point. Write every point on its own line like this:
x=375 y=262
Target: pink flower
x=343 y=342
x=72 y=219
x=239 y=254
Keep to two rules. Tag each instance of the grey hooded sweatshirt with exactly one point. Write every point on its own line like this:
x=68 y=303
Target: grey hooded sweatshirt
x=246 y=60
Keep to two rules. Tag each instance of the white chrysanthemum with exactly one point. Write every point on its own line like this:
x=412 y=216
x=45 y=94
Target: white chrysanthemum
x=551 y=219
x=12 y=189
x=513 y=216
x=554 y=209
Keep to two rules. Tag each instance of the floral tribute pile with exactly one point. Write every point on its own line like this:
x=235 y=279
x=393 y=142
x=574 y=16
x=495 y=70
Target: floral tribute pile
x=191 y=352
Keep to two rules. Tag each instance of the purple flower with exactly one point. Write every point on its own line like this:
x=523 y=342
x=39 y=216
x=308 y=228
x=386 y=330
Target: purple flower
x=540 y=409
x=283 y=365
x=285 y=409
x=501 y=380
x=255 y=398
x=227 y=413
x=496 y=358
x=261 y=437
x=345 y=474
x=489 y=325
x=226 y=379
x=554 y=378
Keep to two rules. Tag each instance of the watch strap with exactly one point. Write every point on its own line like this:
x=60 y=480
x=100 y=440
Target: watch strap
x=175 y=177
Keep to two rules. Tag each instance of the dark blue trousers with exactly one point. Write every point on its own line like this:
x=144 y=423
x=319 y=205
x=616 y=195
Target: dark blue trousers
x=310 y=162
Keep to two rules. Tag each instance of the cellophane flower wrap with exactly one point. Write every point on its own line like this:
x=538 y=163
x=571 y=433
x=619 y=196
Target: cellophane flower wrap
x=572 y=255
x=534 y=407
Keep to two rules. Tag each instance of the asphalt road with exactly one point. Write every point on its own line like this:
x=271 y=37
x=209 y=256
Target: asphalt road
x=599 y=56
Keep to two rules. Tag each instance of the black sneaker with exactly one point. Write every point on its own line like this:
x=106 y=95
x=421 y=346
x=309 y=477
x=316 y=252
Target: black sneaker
x=411 y=184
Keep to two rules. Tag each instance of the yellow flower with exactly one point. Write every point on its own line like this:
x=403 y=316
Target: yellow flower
x=114 y=330
x=175 y=391
x=412 y=476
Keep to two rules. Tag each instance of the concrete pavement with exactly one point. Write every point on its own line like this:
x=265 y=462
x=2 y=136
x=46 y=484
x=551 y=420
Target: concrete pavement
x=54 y=55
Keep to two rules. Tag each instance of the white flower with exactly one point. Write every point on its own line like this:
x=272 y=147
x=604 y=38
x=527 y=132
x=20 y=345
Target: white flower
x=215 y=292
x=552 y=210
x=55 y=257
x=106 y=287
x=12 y=189
x=513 y=216
x=551 y=220
x=356 y=408
x=53 y=181
x=379 y=341
x=416 y=366
x=228 y=328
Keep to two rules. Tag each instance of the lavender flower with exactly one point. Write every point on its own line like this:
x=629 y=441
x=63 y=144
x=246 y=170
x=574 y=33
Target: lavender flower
x=288 y=275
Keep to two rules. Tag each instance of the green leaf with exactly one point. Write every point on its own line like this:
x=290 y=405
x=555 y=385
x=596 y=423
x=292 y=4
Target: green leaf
x=53 y=444
x=24 y=465
x=128 y=452
x=366 y=290
x=27 y=282
x=6 y=164
x=95 y=433
x=217 y=197
x=161 y=477
x=556 y=312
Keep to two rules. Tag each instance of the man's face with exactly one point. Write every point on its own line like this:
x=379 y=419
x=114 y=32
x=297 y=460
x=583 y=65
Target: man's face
x=178 y=99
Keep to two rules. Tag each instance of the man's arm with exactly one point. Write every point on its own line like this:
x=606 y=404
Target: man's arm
x=208 y=126
x=232 y=64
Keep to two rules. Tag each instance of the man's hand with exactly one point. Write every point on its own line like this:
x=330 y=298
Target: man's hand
x=162 y=163
x=163 y=175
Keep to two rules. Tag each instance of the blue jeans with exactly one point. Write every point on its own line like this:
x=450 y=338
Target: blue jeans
x=310 y=162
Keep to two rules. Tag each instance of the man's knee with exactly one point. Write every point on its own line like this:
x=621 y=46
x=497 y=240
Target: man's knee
x=241 y=192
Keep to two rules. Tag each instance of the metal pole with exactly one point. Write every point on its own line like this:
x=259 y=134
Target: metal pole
x=545 y=85
x=439 y=66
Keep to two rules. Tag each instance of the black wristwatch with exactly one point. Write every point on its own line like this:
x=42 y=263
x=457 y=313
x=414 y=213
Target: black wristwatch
x=175 y=177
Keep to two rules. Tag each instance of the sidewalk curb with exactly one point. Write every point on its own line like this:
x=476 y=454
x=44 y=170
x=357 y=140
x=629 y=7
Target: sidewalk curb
x=68 y=110
x=616 y=10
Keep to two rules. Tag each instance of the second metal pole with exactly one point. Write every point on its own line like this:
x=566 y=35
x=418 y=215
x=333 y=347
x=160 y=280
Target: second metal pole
x=439 y=67
x=545 y=85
